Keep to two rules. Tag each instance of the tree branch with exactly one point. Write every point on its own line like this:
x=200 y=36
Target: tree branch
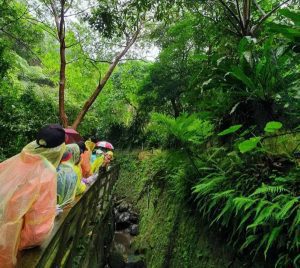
x=239 y=12
x=231 y=12
x=103 y=81
x=265 y=17
x=49 y=30
x=80 y=12
x=259 y=8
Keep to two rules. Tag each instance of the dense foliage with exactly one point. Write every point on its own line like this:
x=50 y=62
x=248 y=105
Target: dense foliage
x=221 y=100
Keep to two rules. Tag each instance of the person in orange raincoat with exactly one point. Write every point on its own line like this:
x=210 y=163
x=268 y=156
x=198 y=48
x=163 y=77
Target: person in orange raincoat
x=86 y=159
x=28 y=194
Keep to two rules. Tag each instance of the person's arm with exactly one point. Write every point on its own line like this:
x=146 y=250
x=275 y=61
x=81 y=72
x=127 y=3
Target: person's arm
x=39 y=219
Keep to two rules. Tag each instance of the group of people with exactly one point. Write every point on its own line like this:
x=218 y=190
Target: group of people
x=41 y=180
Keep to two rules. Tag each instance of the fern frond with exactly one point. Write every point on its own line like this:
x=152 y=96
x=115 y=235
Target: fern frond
x=224 y=194
x=287 y=210
x=262 y=242
x=205 y=188
x=272 y=238
x=268 y=189
x=295 y=223
x=227 y=210
x=261 y=205
x=249 y=240
x=263 y=217
x=243 y=203
x=244 y=220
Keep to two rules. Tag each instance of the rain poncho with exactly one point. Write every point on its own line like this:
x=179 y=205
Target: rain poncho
x=66 y=183
x=74 y=162
x=85 y=159
x=97 y=163
x=27 y=199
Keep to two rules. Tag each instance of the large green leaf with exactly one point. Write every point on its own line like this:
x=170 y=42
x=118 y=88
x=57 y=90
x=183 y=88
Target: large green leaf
x=294 y=16
x=238 y=73
x=249 y=145
x=230 y=130
x=272 y=126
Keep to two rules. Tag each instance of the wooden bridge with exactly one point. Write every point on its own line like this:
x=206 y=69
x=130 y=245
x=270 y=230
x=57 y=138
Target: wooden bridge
x=81 y=233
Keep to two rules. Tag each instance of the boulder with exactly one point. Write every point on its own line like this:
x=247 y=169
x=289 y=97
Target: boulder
x=134 y=229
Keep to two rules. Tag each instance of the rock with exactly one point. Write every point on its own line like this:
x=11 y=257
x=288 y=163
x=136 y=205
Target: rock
x=116 y=260
x=134 y=229
x=123 y=217
x=123 y=207
x=138 y=264
x=122 y=220
x=134 y=218
x=135 y=261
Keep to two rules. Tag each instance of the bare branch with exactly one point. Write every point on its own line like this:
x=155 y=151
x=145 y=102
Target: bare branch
x=47 y=28
x=74 y=44
x=67 y=9
x=132 y=59
x=259 y=7
x=80 y=12
x=230 y=11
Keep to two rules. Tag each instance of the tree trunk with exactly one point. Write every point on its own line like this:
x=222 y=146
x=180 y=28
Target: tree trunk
x=62 y=82
x=61 y=33
x=175 y=108
x=103 y=81
x=62 y=73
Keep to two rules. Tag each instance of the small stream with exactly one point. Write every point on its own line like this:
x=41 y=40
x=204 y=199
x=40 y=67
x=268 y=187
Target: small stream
x=122 y=255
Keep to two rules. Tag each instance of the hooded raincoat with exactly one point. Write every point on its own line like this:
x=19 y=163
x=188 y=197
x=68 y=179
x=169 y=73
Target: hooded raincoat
x=27 y=199
x=97 y=163
x=75 y=163
x=66 y=183
x=86 y=159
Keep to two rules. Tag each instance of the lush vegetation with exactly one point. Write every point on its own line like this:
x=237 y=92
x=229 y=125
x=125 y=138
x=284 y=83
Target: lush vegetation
x=221 y=101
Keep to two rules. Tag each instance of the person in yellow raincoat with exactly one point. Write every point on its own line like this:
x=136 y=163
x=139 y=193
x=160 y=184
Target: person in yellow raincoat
x=102 y=160
x=28 y=194
x=75 y=163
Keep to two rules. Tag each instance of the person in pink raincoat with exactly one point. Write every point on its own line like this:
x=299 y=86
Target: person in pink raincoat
x=28 y=194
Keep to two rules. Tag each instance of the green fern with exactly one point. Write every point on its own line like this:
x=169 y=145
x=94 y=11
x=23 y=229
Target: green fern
x=249 y=240
x=243 y=203
x=262 y=203
x=268 y=189
x=207 y=187
x=225 y=213
x=272 y=238
x=186 y=128
x=263 y=217
x=223 y=194
x=287 y=209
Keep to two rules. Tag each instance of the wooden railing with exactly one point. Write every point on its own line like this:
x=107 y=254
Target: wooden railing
x=81 y=232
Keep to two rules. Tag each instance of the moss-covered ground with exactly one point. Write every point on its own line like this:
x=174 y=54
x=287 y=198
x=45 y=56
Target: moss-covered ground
x=171 y=234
